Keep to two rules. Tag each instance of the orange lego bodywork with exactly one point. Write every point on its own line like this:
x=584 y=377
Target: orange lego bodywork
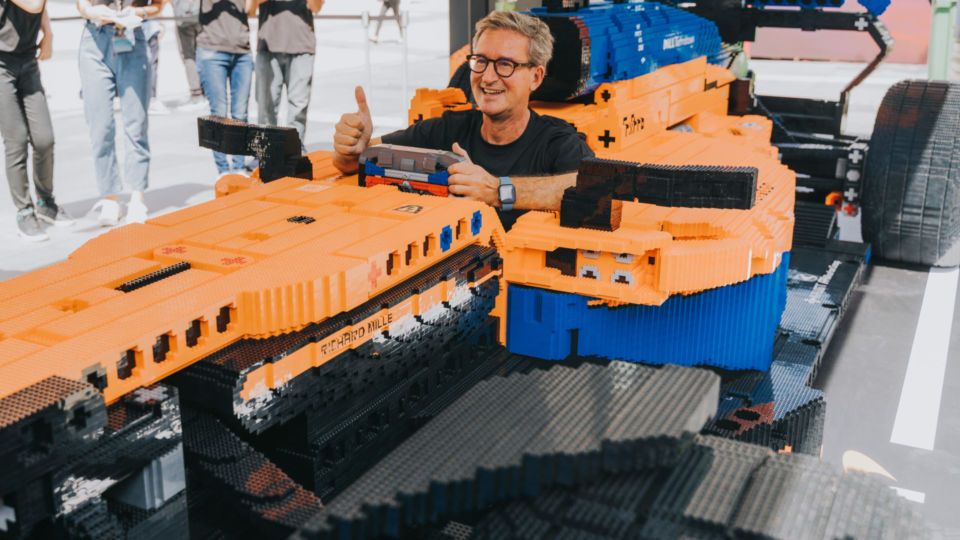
x=250 y=275
x=673 y=116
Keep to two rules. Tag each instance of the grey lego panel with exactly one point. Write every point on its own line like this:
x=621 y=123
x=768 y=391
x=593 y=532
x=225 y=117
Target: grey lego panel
x=790 y=497
x=516 y=435
x=719 y=488
x=717 y=496
x=158 y=482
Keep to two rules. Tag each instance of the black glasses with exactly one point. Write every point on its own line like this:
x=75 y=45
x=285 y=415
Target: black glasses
x=503 y=66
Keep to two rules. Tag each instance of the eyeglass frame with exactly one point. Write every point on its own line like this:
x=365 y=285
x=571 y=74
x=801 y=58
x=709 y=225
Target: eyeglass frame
x=495 y=62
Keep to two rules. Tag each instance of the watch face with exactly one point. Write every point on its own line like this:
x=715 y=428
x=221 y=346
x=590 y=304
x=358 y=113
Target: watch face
x=508 y=194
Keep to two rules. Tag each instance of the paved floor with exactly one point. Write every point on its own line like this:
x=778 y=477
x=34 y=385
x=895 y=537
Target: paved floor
x=865 y=367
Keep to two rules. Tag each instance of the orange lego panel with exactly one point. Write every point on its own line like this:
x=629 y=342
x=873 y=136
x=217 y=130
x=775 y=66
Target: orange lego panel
x=661 y=251
x=428 y=103
x=144 y=301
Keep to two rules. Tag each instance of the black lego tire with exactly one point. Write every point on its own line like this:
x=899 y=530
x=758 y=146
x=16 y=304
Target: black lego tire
x=911 y=183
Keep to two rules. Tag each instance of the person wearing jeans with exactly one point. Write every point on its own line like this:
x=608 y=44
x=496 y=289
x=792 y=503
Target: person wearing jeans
x=187 y=13
x=113 y=62
x=285 y=50
x=225 y=65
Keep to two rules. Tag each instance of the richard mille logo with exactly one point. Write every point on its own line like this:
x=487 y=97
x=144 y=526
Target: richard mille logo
x=673 y=42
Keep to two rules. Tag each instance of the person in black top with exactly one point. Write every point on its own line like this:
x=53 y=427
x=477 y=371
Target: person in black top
x=515 y=157
x=24 y=116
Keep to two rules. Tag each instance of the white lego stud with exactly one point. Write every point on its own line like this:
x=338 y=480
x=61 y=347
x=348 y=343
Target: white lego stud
x=622 y=277
x=589 y=271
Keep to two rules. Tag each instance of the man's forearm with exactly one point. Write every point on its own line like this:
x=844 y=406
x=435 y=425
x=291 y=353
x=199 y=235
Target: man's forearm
x=541 y=192
x=45 y=25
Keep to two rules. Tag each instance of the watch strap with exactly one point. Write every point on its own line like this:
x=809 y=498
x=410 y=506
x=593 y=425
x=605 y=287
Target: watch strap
x=506 y=206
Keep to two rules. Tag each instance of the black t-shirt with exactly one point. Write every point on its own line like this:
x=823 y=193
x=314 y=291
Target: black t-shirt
x=547 y=146
x=18 y=29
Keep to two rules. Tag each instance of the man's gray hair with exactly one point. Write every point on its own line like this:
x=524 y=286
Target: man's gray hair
x=537 y=31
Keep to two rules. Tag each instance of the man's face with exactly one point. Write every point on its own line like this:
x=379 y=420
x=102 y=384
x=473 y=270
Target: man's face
x=498 y=96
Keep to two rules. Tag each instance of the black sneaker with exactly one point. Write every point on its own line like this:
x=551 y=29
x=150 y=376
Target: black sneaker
x=49 y=212
x=29 y=228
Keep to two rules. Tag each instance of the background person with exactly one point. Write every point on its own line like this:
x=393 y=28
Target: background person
x=187 y=13
x=113 y=61
x=225 y=65
x=285 y=50
x=24 y=116
x=154 y=31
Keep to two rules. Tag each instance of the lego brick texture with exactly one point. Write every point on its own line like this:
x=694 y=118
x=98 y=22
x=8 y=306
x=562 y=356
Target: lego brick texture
x=815 y=224
x=326 y=449
x=778 y=408
x=278 y=149
x=610 y=42
x=735 y=326
x=717 y=488
x=237 y=488
x=517 y=435
x=97 y=472
x=911 y=185
x=44 y=424
x=360 y=371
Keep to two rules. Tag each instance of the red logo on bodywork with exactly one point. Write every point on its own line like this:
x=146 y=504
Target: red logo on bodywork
x=374 y=274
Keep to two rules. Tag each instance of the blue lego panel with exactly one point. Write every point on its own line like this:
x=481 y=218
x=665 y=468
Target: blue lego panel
x=476 y=223
x=372 y=170
x=877 y=7
x=628 y=40
x=439 y=178
x=731 y=327
x=446 y=238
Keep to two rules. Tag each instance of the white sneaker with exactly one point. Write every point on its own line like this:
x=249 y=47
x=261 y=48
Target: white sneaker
x=109 y=212
x=136 y=209
x=157 y=107
x=194 y=103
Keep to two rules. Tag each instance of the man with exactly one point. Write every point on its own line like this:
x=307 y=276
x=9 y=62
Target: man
x=24 y=116
x=520 y=160
x=285 y=49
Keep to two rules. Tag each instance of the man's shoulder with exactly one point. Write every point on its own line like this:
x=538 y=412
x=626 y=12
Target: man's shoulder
x=556 y=124
x=459 y=116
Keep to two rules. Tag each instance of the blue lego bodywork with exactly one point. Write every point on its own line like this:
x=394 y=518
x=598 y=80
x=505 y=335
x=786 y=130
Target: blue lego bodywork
x=630 y=40
x=731 y=327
